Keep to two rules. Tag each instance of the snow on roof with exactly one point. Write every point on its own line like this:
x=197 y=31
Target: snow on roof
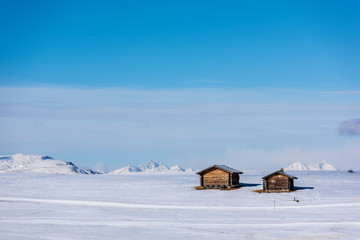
x=222 y=167
x=280 y=172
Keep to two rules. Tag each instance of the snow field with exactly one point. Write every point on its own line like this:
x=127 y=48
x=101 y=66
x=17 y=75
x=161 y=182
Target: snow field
x=166 y=206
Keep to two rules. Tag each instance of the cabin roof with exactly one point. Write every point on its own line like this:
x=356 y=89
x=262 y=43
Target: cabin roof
x=221 y=167
x=279 y=172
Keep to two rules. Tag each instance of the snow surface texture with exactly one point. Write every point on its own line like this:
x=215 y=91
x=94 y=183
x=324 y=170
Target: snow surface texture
x=38 y=164
x=166 y=206
x=150 y=167
x=322 y=166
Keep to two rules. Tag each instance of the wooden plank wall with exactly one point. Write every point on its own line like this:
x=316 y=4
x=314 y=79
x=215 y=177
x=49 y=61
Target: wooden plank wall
x=278 y=182
x=216 y=177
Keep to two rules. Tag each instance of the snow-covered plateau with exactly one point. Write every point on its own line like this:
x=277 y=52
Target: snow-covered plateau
x=166 y=206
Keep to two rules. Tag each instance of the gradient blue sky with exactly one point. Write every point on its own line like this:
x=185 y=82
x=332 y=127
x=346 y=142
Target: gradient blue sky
x=252 y=84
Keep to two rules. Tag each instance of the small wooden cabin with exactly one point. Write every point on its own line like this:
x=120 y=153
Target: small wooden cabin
x=219 y=176
x=278 y=181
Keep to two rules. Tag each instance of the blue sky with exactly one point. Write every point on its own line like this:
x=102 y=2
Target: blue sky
x=297 y=44
x=253 y=84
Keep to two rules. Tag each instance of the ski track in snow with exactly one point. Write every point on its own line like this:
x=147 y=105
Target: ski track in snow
x=177 y=224
x=181 y=207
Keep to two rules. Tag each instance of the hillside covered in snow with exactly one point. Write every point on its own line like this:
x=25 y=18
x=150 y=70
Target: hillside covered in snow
x=150 y=167
x=322 y=166
x=39 y=164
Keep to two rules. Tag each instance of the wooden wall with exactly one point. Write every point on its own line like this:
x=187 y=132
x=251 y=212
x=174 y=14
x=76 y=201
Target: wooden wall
x=215 y=178
x=277 y=182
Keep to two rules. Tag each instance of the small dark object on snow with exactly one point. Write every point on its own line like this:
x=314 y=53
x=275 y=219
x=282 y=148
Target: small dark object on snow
x=350 y=171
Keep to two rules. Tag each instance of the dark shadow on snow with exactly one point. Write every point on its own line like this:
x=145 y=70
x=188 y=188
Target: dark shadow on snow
x=248 y=184
x=302 y=188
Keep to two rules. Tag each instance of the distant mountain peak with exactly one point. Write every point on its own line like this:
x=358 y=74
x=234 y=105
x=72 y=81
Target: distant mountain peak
x=126 y=169
x=297 y=166
x=150 y=167
x=39 y=164
x=177 y=168
x=322 y=166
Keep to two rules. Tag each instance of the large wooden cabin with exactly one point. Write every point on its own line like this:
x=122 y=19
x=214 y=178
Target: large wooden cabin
x=278 y=181
x=219 y=176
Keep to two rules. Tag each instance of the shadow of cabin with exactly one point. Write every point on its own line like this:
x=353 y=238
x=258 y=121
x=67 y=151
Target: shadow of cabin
x=278 y=181
x=249 y=184
x=302 y=188
x=219 y=176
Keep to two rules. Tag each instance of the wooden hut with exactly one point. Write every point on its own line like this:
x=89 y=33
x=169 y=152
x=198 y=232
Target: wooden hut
x=219 y=176
x=278 y=181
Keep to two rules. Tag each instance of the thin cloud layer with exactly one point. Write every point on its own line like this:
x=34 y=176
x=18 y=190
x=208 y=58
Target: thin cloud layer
x=350 y=128
x=129 y=126
x=342 y=157
x=341 y=92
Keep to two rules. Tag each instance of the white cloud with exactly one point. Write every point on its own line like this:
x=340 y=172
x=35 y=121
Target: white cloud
x=350 y=128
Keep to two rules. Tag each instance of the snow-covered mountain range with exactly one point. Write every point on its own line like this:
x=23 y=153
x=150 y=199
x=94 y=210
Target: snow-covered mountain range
x=150 y=166
x=322 y=166
x=39 y=164
x=45 y=164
